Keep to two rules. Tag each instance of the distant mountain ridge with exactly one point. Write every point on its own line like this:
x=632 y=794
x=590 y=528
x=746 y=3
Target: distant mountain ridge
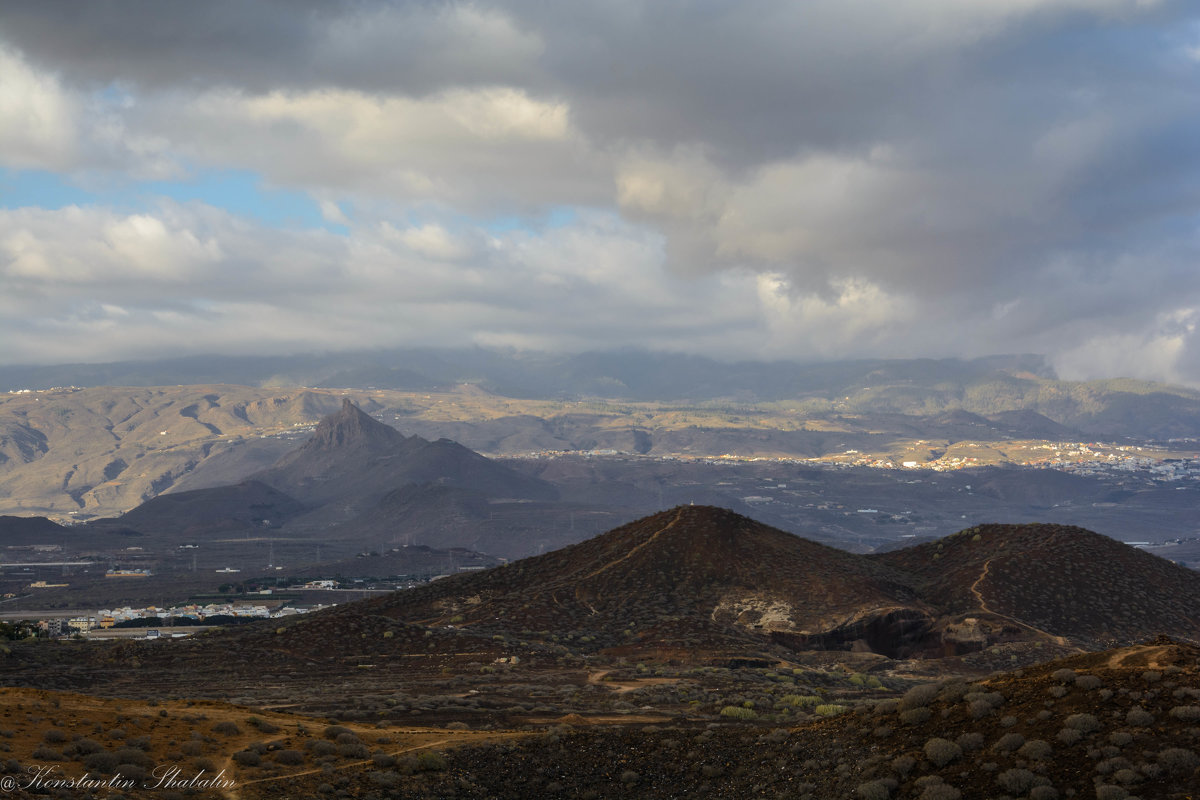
x=995 y=387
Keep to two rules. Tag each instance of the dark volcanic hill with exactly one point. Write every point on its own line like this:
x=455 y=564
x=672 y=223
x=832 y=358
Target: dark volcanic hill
x=691 y=568
x=1062 y=580
x=224 y=508
x=699 y=577
x=31 y=530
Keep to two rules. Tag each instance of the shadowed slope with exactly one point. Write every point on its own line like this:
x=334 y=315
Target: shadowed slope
x=1060 y=579
x=351 y=461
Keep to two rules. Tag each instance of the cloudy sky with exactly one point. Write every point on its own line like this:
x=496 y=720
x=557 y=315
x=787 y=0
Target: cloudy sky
x=805 y=180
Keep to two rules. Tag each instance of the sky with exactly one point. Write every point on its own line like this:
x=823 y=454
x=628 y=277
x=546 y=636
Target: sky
x=809 y=180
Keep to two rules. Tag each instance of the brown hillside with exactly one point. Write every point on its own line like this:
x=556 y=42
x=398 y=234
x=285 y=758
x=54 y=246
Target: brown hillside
x=693 y=572
x=1060 y=579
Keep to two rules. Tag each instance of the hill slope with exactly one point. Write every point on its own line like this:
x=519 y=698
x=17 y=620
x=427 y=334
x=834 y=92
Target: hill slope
x=700 y=577
x=1062 y=580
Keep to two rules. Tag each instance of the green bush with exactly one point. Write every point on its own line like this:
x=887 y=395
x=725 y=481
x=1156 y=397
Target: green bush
x=738 y=712
x=829 y=710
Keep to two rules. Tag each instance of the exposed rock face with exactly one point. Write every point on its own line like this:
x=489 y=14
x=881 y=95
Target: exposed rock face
x=895 y=633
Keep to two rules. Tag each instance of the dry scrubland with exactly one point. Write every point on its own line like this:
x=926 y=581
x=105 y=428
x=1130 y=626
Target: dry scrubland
x=1118 y=724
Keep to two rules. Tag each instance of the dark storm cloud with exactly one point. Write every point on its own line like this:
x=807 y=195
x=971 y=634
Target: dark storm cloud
x=261 y=45
x=876 y=178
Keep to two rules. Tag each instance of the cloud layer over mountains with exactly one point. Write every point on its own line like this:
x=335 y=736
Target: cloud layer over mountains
x=780 y=180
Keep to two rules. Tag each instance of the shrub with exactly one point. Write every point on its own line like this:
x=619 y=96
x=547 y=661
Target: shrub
x=1139 y=717
x=1043 y=793
x=82 y=747
x=289 y=757
x=1104 y=792
x=1088 y=682
x=915 y=716
x=1016 y=781
x=1186 y=713
x=1009 y=742
x=1084 y=723
x=979 y=708
x=940 y=791
x=132 y=772
x=334 y=731
x=970 y=740
x=1126 y=776
x=320 y=747
x=1063 y=675
x=873 y=790
x=54 y=736
x=431 y=761
x=356 y=750
x=738 y=712
x=131 y=755
x=263 y=725
x=903 y=764
x=1036 y=749
x=941 y=751
x=227 y=728
x=247 y=758
x=919 y=696
x=103 y=762
x=829 y=710
x=1069 y=736
x=1177 y=759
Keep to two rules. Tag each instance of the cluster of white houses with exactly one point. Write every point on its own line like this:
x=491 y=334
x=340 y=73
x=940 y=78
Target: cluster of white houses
x=193 y=614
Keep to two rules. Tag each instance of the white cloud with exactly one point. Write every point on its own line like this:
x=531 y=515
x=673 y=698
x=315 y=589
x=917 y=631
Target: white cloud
x=38 y=118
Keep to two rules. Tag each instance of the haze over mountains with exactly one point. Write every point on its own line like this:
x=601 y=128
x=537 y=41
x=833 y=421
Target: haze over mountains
x=997 y=385
x=103 y=450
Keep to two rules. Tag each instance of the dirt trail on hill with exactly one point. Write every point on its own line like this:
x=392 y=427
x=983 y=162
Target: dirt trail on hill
x=1146 y=656
x=611 y=564
x=620 y=687
x=983 y=606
